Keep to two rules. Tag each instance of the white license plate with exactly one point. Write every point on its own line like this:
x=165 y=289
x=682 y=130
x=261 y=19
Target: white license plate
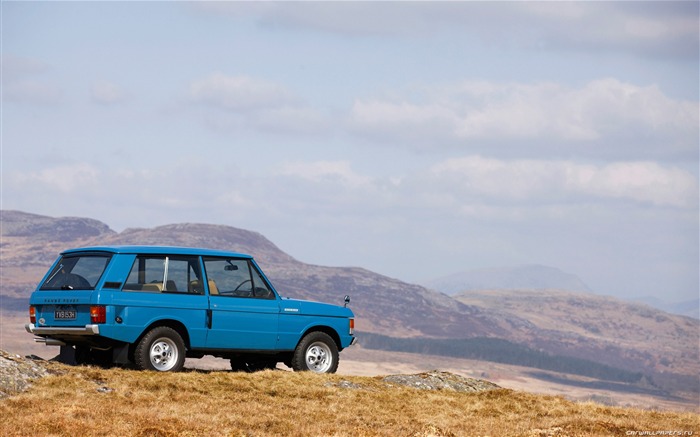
x=64 y=314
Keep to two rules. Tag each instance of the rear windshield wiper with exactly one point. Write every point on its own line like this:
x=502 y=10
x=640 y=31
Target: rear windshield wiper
x=54 y=274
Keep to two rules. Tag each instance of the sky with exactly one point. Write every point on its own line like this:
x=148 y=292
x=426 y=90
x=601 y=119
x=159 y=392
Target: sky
x=413 y=139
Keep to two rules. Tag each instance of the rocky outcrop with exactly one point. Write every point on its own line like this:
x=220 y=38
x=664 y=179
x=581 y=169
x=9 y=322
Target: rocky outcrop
x=438 y=380
x=17 y=373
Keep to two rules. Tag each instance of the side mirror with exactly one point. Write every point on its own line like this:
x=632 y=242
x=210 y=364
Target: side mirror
x=347 y=300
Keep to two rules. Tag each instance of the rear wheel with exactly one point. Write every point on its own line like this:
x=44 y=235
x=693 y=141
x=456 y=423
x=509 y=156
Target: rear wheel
x=161 y=349
x=316 y=352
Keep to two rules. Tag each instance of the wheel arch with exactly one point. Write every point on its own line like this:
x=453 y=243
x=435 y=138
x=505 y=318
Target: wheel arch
x=332 y=333
x=176 y=325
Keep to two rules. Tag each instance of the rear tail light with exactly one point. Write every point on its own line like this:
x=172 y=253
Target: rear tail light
x=98 y=314
x=352 y=326
x=32 y=314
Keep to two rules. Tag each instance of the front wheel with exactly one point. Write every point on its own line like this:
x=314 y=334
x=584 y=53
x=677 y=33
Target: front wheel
x=161 y=349
x=316 y=352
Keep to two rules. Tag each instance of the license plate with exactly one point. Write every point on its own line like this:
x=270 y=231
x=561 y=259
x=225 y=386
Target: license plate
x=64 y=314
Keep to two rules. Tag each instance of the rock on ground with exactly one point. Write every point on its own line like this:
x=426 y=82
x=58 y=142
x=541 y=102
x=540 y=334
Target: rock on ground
x=437 y=380
x=16 y=373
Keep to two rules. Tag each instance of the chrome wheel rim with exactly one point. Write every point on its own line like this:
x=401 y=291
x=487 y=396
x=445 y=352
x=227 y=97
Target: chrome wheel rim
x=163 y=354
x=319 y=357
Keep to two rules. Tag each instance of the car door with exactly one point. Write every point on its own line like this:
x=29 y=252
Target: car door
x=159 y=287
x=244 y=312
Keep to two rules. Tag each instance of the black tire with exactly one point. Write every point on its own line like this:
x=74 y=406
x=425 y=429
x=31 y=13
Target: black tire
x=161 y=349
x=316 y=352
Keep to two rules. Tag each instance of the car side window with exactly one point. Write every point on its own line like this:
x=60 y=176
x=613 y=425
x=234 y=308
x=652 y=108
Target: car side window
x=235 y=278
x=158 y=274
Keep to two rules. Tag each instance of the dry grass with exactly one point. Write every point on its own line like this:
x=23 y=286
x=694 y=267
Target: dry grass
x=89 y=401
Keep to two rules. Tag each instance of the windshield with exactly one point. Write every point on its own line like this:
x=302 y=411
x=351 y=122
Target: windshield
x=77 y=272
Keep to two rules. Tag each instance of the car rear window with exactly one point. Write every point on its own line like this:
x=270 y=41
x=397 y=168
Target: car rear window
x=77 y=272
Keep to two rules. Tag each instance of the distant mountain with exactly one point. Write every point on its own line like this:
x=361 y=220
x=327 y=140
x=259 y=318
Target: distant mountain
x=633 y=337
x=22 y=224
x=528 y=277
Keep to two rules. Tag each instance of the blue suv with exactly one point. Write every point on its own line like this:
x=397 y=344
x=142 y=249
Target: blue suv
x=154 y=306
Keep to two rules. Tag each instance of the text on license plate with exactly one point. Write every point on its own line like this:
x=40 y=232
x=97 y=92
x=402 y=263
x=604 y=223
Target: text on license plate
x=64 y=314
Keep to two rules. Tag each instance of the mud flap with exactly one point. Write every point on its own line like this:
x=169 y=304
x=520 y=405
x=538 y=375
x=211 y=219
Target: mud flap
x=67 y=355
x=120 y=354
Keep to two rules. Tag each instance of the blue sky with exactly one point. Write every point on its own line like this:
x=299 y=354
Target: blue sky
x=415 y=139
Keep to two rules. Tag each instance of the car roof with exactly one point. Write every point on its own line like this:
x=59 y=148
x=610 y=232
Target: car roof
x=158 y=250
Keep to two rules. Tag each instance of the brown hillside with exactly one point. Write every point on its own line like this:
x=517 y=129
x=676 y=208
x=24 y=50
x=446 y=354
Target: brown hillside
x=584 y=325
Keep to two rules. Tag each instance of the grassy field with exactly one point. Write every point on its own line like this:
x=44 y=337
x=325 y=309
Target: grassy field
x=88 y=401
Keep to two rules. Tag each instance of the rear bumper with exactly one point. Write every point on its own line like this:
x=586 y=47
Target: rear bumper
x=83 y=330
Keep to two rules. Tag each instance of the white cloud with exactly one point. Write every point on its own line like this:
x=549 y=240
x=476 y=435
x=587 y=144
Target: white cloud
x=477 y=179
x=650 y=29
x=15 y=68
x=66 y=179
x=31 y=91
x=23 y=82
x=611 y=106
x=291 y=119
x=106 y=93
x=658 y=29
x=239 y=93
x=242 y=102
x=454 y=187
x=403 y=121
x=551 y=114
x=354 y=18
x=646 y=182
x=324 y=172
